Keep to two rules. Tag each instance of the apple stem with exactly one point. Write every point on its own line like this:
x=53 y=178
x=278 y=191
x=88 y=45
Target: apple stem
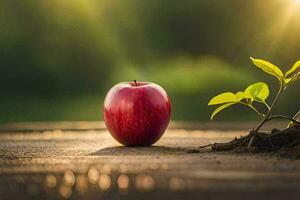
x=135 y=83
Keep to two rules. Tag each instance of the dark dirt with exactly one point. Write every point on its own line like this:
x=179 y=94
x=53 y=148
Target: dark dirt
x=285 y=142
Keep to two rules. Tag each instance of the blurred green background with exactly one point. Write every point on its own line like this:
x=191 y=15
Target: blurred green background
x=59 y=58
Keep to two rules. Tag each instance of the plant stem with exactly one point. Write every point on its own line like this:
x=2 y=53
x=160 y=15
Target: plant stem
x=267 y=116
x=253 y=108
x=296 y=115
x=283 y=117
x=266 y=105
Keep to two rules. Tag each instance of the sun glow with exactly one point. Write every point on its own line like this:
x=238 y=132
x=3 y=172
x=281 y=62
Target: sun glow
x=296 y=5
x=297 y=2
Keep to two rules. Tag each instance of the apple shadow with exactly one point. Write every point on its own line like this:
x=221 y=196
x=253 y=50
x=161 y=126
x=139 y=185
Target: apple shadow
x=152 y=150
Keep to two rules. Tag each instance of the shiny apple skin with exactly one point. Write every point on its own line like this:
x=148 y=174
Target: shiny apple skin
x=137 y=114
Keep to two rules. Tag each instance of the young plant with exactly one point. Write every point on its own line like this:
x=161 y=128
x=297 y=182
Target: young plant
x=259 y=92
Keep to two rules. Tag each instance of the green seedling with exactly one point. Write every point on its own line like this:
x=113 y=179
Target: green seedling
x=259 y=92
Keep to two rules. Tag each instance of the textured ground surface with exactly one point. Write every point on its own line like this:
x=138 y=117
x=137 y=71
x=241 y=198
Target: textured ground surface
x=81 y=161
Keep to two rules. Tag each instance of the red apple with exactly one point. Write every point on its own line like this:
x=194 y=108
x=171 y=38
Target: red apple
x=137 y=113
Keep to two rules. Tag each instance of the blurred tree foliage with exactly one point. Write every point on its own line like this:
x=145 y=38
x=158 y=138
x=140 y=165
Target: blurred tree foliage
x=50 y=48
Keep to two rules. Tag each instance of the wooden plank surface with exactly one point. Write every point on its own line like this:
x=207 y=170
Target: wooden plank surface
x=80 y=160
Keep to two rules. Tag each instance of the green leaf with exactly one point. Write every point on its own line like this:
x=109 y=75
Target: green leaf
x=223 y=98
x=268 y=68
x=220 y=108
x=240 y=95
x=291 y=79
x=293 y=69
x=258 y=91
x=287 y=81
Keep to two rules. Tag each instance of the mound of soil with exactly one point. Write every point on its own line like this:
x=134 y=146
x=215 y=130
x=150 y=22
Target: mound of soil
x=284 y=142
